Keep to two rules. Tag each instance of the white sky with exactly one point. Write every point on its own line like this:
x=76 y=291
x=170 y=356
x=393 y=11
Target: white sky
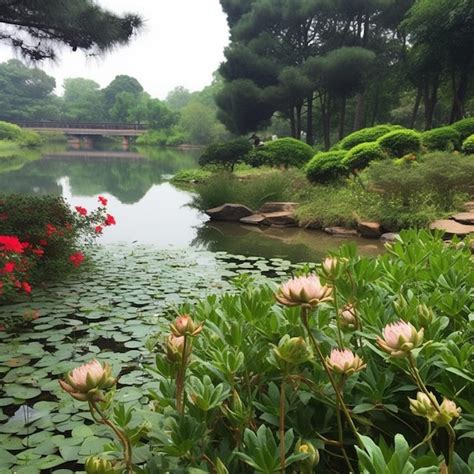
x=181 y=43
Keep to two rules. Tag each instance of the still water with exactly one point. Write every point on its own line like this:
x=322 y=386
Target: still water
x=148 y=208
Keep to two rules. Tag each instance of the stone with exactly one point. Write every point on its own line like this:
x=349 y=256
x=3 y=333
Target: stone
x=270 y=207
x=341 y=231
x=389 y=237
x=282 y=219
x=372 y=230
x=469 y=206
x=254 y=219
x=229 y=212
x=464 y=217
x=451 y=227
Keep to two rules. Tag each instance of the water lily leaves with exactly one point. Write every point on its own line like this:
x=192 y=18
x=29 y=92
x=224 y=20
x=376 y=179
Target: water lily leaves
x=82 y=431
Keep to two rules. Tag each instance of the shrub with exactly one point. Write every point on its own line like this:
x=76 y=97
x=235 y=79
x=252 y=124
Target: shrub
x=400 y=142
x=468 y=145
x=465 y=127
x=153 y=137
x=361 y=155
x=326 y=166
x=282 y=152
x=176 y=139
x=443 y=139
x=191 y=176
x=226 y=154
x=12 y=132
x=364 y=135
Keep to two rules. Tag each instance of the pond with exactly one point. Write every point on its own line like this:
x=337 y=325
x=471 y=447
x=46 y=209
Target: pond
x=148 y=208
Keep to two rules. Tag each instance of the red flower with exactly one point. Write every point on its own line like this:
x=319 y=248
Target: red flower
x=10 y=243
x=81 y=210
x=39 y=252
x=43 y=242
x=99 y=229
x=102 y=200
x=68 y=226
x=9 y=267
x=50 y=230
x=109 y=220
x=2 y=327
x=76 y=259
x=26 y=287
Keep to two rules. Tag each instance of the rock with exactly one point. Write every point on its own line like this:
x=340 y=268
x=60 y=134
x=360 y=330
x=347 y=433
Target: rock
x=282 y=219
x=270 y=207
x=469 y=206
x=389 y=237
x=341 y=231
x=229 y=212
x=464 y=217
x=254 y=219
x=451 y=227
x=372 y=230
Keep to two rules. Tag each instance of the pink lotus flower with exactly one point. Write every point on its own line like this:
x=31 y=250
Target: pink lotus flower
x=344 y=362
x=86 y=382
x=175 y=347
x=400 y=338
x=348 y=316
x=304 y=291
x=185 y=326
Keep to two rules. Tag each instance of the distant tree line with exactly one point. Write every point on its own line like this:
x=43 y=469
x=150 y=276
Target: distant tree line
x=330 y=67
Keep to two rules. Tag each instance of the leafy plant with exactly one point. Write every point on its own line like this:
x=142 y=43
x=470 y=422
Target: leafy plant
x=225 y=154
x=360 y=156
x=468 y=145
x=285 y=152
x=364 y=135
x=326 y=166
x=443 y=139
x=400 y=142
x=465 y=127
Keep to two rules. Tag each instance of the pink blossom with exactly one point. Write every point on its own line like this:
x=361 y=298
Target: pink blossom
x=400 y=338
x=304 y=290
x=344 y=361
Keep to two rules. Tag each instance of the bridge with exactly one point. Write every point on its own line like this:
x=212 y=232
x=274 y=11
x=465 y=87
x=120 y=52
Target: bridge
x=75 y=131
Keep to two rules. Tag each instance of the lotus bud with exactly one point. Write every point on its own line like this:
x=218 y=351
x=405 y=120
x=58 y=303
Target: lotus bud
x=331 y=266
x=303 y=291
x=348 y=317
x=344 y=362
x=400 y=338
x=422 y=406
x=307 y=464
x=96 y=465
x=292 y=350
x=448 y=411
x=86 y=382
x=175 y=347
x=185 y=326
x=425 y=314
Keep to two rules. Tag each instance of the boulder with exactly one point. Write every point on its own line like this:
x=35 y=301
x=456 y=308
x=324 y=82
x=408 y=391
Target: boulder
x=372 y=230
x=389 y=237
x=229 y=212
x=464 y=217
x=469 y=206
x=270 y=207
x=451 y=227
x=254 y=219
x=281 y=219
x=341 y=231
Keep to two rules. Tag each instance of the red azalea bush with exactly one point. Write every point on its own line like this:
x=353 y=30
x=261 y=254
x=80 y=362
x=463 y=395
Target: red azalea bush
x=41 y=238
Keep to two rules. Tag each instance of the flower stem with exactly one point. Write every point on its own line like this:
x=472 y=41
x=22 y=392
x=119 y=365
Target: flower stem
x=304 y=317
x=338 y=318
x=180 y=378
x=282 y=424
x=340 y=433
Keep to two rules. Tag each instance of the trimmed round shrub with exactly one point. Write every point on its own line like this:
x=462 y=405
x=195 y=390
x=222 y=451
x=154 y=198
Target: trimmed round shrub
x=465 y=127
x=285 y=151
x=363 y=136
x=361 y=155
x=225 y=154
x=326 y=166
x=400 y=142
x=468 y=145
x=443 y=139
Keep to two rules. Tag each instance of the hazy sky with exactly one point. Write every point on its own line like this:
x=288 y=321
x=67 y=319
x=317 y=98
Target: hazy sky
x=182 y=43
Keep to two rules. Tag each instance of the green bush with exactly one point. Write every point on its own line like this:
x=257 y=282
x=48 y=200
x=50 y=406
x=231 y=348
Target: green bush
x=364 y=135
x=191 y=176
x=225 y=154
x=442 y=139
x=400 y=142
x=282 y=152
x=326 y=166
x=12 y=132
x=465 y=127
x=176 y=139
x=468 y=145
x=153 y=137
x=361 y=155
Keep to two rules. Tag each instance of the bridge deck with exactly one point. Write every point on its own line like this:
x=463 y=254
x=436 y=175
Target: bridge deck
x=91 y=131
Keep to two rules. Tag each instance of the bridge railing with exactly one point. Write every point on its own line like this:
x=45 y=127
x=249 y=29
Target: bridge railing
x=82 y=125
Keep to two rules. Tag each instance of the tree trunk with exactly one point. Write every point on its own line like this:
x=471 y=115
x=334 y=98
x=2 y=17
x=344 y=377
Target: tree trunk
x=416 y=107
x=298 y=121
x=309 y=122
x=292 y=122
x=430 y=99
x=359 y=116
x=376 y=106
x=326 y=119
x=342 y=118
x=459 y=95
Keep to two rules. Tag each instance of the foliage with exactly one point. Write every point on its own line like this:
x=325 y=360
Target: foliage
x=468 y=145
x=226 y=154
x=443 y=138
x=282 y=152
x=400 y=142
x=247 y=405
x=326 y=166
x=465 y=127
x=83 y=100
x=361 y=155
x=19 y=136
x=370 y=134
x=191 y=176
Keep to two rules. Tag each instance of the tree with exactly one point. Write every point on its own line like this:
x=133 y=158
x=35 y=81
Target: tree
x=37 y=27
x=178 y=98
x=83 y=100
x=121 y=83
x=158 y=116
